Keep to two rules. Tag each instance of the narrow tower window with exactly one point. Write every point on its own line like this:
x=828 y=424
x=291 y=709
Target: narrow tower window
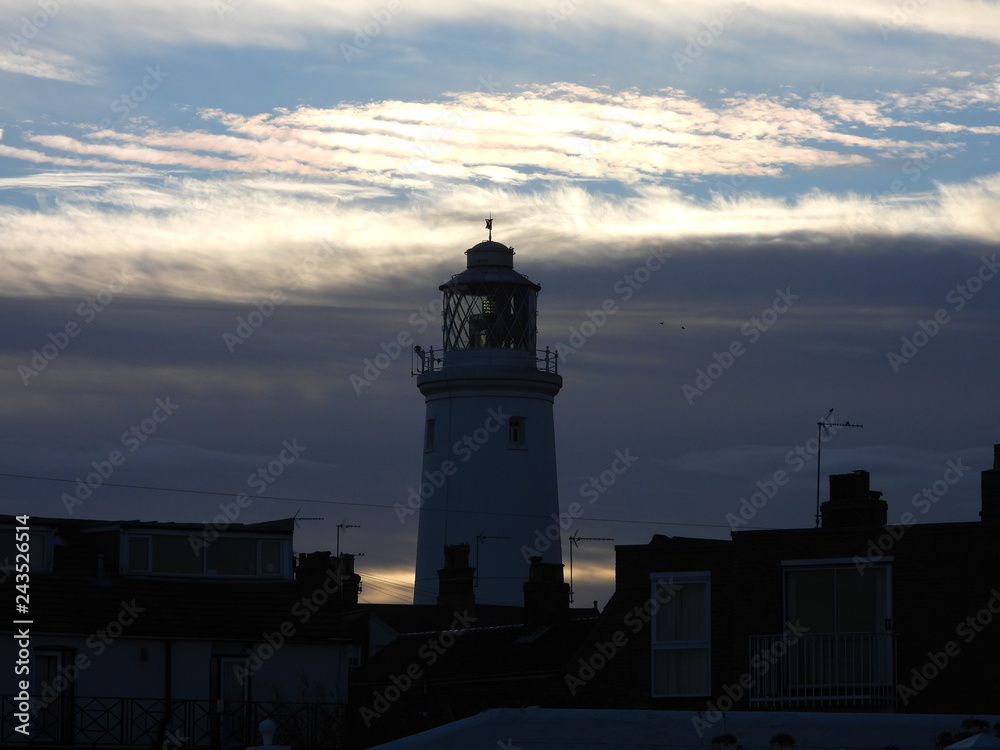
x=429 y=436
x=515 y=426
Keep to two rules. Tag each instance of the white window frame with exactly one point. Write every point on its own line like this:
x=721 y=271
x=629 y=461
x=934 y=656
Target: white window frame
x=681 y=577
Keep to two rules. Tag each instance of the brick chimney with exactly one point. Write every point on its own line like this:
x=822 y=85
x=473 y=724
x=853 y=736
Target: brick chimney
x=991 y=490
x=852 y=503
x=546 y=595
x=455 y=579
x=323 y=570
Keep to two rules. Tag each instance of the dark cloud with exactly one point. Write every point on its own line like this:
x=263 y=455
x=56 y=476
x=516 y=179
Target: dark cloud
x=290 y=380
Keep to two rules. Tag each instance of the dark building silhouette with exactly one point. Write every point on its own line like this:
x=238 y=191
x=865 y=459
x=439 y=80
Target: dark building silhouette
x=857 y=615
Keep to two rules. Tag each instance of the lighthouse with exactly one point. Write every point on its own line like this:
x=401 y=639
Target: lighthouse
x=489 y=463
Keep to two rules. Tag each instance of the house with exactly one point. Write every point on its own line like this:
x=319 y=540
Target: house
x=858 y=615
x=137 y=633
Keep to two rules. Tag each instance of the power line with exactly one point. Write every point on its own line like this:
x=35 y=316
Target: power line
x=213 y=493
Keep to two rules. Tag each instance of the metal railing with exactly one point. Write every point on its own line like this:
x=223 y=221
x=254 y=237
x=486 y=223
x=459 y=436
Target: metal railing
x=432 y=360
x=114 y=723
x=829 y=669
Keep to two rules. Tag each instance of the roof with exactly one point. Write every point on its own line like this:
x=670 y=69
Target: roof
x=82 y=597
x=558 y=729
x=471 y=653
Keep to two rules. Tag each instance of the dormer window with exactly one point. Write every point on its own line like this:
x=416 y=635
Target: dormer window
x=234 y=556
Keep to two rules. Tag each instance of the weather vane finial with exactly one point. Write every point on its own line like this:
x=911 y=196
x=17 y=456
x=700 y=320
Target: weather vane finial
x=489 y=225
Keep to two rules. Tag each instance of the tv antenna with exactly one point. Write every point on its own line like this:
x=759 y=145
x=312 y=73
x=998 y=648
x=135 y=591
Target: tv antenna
x=574 y=541
x=480 y=538
x=821 y=428
x=344 y=525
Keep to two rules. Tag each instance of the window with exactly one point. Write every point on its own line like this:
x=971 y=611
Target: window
x=681 y=633
x=54 y=720
x=138 y=553
x=429 y=436
x=847 y=649
x=187 y=555
x=270 y=558
x=39 y=549
x=834 y=599
x=515 y=429
x=233 y=682
x=174 y=554
x=232 y=556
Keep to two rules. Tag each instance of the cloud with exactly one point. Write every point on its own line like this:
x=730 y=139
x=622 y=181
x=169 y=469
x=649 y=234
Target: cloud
x=230 y=239
x=545 y=133
x=287 y=24
x=45 y=63
x=235 y=210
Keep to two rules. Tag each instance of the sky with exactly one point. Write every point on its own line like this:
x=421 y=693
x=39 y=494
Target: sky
x=224 y=224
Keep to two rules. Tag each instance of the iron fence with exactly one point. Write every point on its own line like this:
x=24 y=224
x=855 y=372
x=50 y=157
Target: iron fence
x=122 y=723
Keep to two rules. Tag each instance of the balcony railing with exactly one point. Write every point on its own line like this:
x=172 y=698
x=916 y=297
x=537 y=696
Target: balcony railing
x=823 y=669
x=432 y=360
x=113 y=723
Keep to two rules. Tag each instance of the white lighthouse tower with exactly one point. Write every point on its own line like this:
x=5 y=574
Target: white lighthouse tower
x=489 y=469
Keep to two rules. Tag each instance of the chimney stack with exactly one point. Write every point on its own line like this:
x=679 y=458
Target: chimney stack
x=546 y=595
x=852 y=503
x=320 y=568
x=991 y=490
x=455 y=579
